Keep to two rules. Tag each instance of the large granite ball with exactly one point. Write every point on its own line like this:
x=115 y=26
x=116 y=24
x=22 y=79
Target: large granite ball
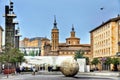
x=69 y=67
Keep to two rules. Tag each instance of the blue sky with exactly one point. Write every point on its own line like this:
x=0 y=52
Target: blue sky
x=36 y=17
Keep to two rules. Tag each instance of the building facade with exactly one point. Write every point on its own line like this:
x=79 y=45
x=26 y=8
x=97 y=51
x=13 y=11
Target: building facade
x=69 y=48
x=105 y=39
x=32 y=46
x=1 y=38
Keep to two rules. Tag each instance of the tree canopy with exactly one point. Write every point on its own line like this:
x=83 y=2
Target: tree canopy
x=95 y=61
x=108 y=61
x=12 y=56
x=115 y=61
x=79 y=54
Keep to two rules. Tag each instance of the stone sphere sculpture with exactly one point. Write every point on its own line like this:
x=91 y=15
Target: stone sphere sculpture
x=69 y=67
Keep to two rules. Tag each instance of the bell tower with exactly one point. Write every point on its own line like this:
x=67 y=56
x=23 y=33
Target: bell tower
x=72 y=40
x=54 y=38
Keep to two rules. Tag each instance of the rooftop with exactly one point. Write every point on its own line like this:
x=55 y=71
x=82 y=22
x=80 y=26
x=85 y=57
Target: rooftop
x=110 y=20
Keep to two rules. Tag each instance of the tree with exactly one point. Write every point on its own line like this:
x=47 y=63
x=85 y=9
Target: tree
x=108 y=61
x=18 y=56
x=2 y=58
x=12 y=56
x=32 y=53
x=115 y=62
x=37 y=54
x=79 y=54
x=95 y=61
x=87 y=60
x=25 y=53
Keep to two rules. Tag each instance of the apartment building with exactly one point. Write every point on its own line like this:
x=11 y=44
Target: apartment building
x=105 y=39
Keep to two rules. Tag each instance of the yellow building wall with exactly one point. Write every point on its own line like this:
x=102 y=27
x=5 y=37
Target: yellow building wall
x=28 y=43
x=104 y=40
x=114 y=38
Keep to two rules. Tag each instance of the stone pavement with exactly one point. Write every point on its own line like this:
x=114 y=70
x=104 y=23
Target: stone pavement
x=95 y=73
x=56 y=77
x=101 y=73
x=45 y=75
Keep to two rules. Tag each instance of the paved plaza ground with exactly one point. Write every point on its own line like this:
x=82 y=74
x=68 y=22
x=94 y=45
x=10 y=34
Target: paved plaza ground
x=58 y=76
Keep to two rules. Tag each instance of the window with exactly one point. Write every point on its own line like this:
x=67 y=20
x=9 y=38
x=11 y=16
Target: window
x=69 y=42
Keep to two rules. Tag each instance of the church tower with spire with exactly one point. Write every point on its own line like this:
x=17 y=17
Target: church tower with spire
x=54 y=39
x=72 y=40
x=73 y=32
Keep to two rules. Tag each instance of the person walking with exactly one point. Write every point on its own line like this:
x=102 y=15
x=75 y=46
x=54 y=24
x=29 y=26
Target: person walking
x=34 y=70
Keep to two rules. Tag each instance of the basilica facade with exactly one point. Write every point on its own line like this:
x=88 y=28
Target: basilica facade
x=54 y=48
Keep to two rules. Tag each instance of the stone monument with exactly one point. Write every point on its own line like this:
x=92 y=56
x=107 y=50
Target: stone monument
x=69 y=67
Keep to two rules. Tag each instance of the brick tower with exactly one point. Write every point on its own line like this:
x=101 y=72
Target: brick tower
x=54 y=39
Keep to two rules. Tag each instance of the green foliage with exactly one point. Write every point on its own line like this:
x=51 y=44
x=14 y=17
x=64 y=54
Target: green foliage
x=2 y=57
x=87 y=60
x=37 y=53
x=95 y=61
x=79 y=54
x=115 y=61
x=25 y=53
x=32 y=53
x=108 y=61
x=12 y=55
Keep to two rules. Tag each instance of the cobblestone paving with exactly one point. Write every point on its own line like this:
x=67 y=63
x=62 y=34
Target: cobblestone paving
x=53 y=77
